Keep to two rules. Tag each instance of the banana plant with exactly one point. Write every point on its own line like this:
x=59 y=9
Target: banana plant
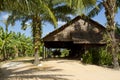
x=37 y=12
x=5 y=38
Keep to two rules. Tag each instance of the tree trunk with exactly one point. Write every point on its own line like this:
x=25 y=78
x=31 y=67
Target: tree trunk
x=16 y=51
x=114 y=51
x=110 y=7
x=4 y=54
x=36 y=37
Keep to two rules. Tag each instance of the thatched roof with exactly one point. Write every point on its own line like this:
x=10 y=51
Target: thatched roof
x=80 y=30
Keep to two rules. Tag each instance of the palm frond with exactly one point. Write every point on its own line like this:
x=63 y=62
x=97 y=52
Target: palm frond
x=118 y=3
x=96 y=10
x=24 y=21
x=81 y=4
x=50 y=13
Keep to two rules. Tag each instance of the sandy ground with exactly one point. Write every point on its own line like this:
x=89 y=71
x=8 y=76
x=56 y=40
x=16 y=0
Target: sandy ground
x=55 y=70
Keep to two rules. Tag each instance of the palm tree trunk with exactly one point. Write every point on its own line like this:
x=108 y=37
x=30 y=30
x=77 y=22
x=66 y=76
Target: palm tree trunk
x=36 y=37
x=110 y=7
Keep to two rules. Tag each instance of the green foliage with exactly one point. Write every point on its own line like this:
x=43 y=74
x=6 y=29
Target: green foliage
x=41 y=49
x=117 y=28
x=38 y=12
x=105 y=58
x=96 y=10
x=91 y=56
x=14 y=44
x=98 y=57
x=80 y=5
x=87 y=58
x=119 y=57
x=64 y=53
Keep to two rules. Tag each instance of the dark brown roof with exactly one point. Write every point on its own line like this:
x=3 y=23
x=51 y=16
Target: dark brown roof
x=85 y=18
x=78 y=36
x=76 y=33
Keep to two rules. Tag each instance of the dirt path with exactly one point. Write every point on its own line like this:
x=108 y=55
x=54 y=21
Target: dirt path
x=56 y=70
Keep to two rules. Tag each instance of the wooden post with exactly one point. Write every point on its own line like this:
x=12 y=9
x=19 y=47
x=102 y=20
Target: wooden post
x=43 y=52
x=44 y=55
x=49 y=51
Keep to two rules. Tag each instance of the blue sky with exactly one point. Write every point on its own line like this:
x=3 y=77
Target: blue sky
x=48 y=27
x=16 y=28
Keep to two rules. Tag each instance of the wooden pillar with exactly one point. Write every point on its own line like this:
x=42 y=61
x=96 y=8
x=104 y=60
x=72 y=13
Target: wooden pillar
x=46 y=53
x=49 y=51
x=43 y=52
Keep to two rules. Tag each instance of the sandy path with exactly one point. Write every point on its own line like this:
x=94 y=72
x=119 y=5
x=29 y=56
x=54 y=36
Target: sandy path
x=56 y=70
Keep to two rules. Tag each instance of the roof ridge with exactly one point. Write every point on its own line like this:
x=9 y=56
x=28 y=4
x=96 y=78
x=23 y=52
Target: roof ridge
x=84 y=17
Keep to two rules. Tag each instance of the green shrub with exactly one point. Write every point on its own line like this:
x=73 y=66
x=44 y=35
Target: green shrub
x=64 y=53
x=97 y=56
x=105 y=58
x=119 y=57
x=87 y=58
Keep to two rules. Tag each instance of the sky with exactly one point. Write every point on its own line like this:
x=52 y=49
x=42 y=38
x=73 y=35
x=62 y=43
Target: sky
x=47 y=28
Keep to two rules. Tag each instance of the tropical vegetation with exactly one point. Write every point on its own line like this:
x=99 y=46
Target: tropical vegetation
x=13 y=45
x=37 y=12
x=110 y=7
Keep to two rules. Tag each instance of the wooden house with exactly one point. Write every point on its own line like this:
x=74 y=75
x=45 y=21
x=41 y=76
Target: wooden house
x=76 y=35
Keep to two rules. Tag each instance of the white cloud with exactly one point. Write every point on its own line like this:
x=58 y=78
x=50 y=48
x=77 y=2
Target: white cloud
x=5 y=16
x=60 y=23
x=28 y=23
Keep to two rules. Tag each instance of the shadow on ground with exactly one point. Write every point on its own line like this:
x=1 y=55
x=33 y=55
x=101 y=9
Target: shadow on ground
x=31 y=72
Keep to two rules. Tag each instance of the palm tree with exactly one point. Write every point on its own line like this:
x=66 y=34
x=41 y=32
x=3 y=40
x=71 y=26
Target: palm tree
x=33 y=11
x=110 y=7
x=37 y=11
x=81 y=5
x=110 y=11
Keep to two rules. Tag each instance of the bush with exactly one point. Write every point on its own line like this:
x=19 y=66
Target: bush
x=98 y=57
x=119 y=57
x=64 y=53
x=105 y=58
x=87 y=58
